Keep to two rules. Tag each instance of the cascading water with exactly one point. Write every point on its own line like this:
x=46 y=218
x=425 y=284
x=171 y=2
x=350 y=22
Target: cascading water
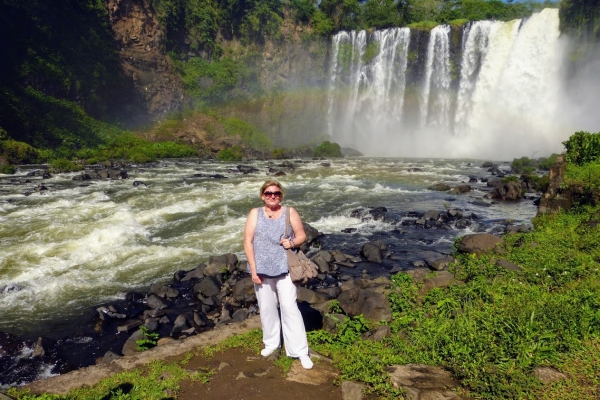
x=371 y=70
x=496 y=95
x=435 y=103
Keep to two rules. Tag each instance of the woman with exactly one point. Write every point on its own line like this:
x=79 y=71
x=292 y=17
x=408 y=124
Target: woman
x=265 y=244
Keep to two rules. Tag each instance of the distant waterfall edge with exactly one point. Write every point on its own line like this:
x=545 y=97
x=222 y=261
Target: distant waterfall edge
x=488 y=89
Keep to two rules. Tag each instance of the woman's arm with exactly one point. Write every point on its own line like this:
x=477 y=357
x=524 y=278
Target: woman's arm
x=297 y=227
x=249 y=245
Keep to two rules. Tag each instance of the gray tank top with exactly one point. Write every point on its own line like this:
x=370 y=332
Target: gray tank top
x=269 y=255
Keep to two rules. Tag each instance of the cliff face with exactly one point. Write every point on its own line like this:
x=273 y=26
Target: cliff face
x=139 y=36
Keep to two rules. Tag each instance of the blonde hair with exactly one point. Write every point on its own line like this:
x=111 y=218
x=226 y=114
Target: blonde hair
x=271 y=182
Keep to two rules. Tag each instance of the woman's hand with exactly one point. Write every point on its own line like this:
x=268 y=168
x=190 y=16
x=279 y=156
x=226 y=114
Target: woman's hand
x=256 y=279
x=286 y=243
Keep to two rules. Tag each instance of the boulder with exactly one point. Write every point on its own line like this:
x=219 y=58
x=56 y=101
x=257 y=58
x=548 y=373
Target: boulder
x=432 y=215
x=441 y=279
x=228 y=260
x=371 y=251
x=208 y=287
x=244 y=290
x=247 y=169
x=439 y=187
x=479 y=243
x=378 y=334
x=196 y=273
x=440 y=264
x=371 y=304
x=163 y=291
x=180 y=324
x=156 y=302
x=508 y=191
x=462 y=189
x=423 y=382
x=310 y=296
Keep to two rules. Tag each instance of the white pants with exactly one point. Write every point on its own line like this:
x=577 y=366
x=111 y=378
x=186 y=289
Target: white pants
x=294 y=334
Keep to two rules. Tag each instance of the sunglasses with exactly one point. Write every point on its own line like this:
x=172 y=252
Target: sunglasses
x=269 y=194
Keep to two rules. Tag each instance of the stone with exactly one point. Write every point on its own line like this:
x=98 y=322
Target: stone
x=156 y=302
x=417 y=274
x=243 y=290
x=432 y=215
x=441 y=279
x=423 y=382
x=180 y=324
x=130 y=347
x=240 y=315
x=548 y=375
x=196 y=273
x=462 y=189
x=372 y=251
x=310 y=296
x=439 y=187
x=371 y=304
x=479 y=243
x=508 y=265
x=441 y=264
x=129 y=326
x=39 y=349
x=163 y=291
x=208 y=287
x=352 y=390
x=378 y=334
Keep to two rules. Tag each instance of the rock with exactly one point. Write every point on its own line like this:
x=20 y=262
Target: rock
x=508 y=265
x=479 y=243
x=40 y=347
x=129 y=326
x=330 y=292
x=331 y=321
x=138 y=183
x=180 y=324
x=322 y=259
x=156 y=302
x=240 y=315
x=338 y=256
x=462 y=189
x=439 y=187
x=372 y=251
x=455 y=213
x=207 y=287
x=371 y=304
x=109 y=356
x=151 y=324
x=352 y=390
x=507 y=191
x=130 y=347
x=441 y=264
x=311 y=297
x=487 y=164
x=462 y=223
x=215 y=270
x=496 y=182
x=244 y=290
x=414 y=170
x=378 y=334
x=441 y=279
x=196 y=273
x=431 y=215
x=423 y=382
x=548 y=375
x=163 y=291
x=247 y=169
x=228 y=260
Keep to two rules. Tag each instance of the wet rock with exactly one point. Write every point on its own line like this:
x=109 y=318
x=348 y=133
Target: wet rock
x=487 y=164
x=163 y=291
x=41 y=346
x=462 y=224
x=247 y=169
x=439 y=187
x=372 y=251
x=196 y=273
x=129 y=326
x=455 y=213
x=414 y=170
x=349 y=230
x=207 y=287
x=507 y=191
x=432 y=215
x=156 y=302
x=462 y=189
x=138 y=183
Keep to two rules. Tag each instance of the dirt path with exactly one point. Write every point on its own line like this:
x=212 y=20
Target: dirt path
x=242 y=375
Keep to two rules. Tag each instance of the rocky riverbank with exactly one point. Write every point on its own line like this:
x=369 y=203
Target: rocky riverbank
x=219 y=292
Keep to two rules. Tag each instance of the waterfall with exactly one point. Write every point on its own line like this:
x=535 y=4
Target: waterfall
x=367 y=83
x=435 y=103
x=495 y=93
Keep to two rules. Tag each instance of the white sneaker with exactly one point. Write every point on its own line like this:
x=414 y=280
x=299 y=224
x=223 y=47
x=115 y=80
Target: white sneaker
x=267 y=352
x=306 y=362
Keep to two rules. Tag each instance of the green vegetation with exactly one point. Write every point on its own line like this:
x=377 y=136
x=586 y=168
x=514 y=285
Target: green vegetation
x=230 y=154
x=148 y=340
x=328 y=149
x=582 y=147
x=371 y=52
x=526 y=165
x=580 y=18
x=249 y=134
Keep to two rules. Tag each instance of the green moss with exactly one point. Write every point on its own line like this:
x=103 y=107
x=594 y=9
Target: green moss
x=424 y=25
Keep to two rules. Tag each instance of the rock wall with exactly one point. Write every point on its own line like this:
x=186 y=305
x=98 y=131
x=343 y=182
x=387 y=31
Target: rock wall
x=140 y=37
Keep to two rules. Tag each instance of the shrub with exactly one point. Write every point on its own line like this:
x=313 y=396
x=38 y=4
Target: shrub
x=546 y=163
x=230 y=154
x=582 y=147
x=7 y=169
x=18 y=152
x=64 y=165
x=328 y=149
x=248 y=133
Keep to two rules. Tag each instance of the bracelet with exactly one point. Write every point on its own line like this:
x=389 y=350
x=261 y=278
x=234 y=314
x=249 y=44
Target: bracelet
x=292 y=242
